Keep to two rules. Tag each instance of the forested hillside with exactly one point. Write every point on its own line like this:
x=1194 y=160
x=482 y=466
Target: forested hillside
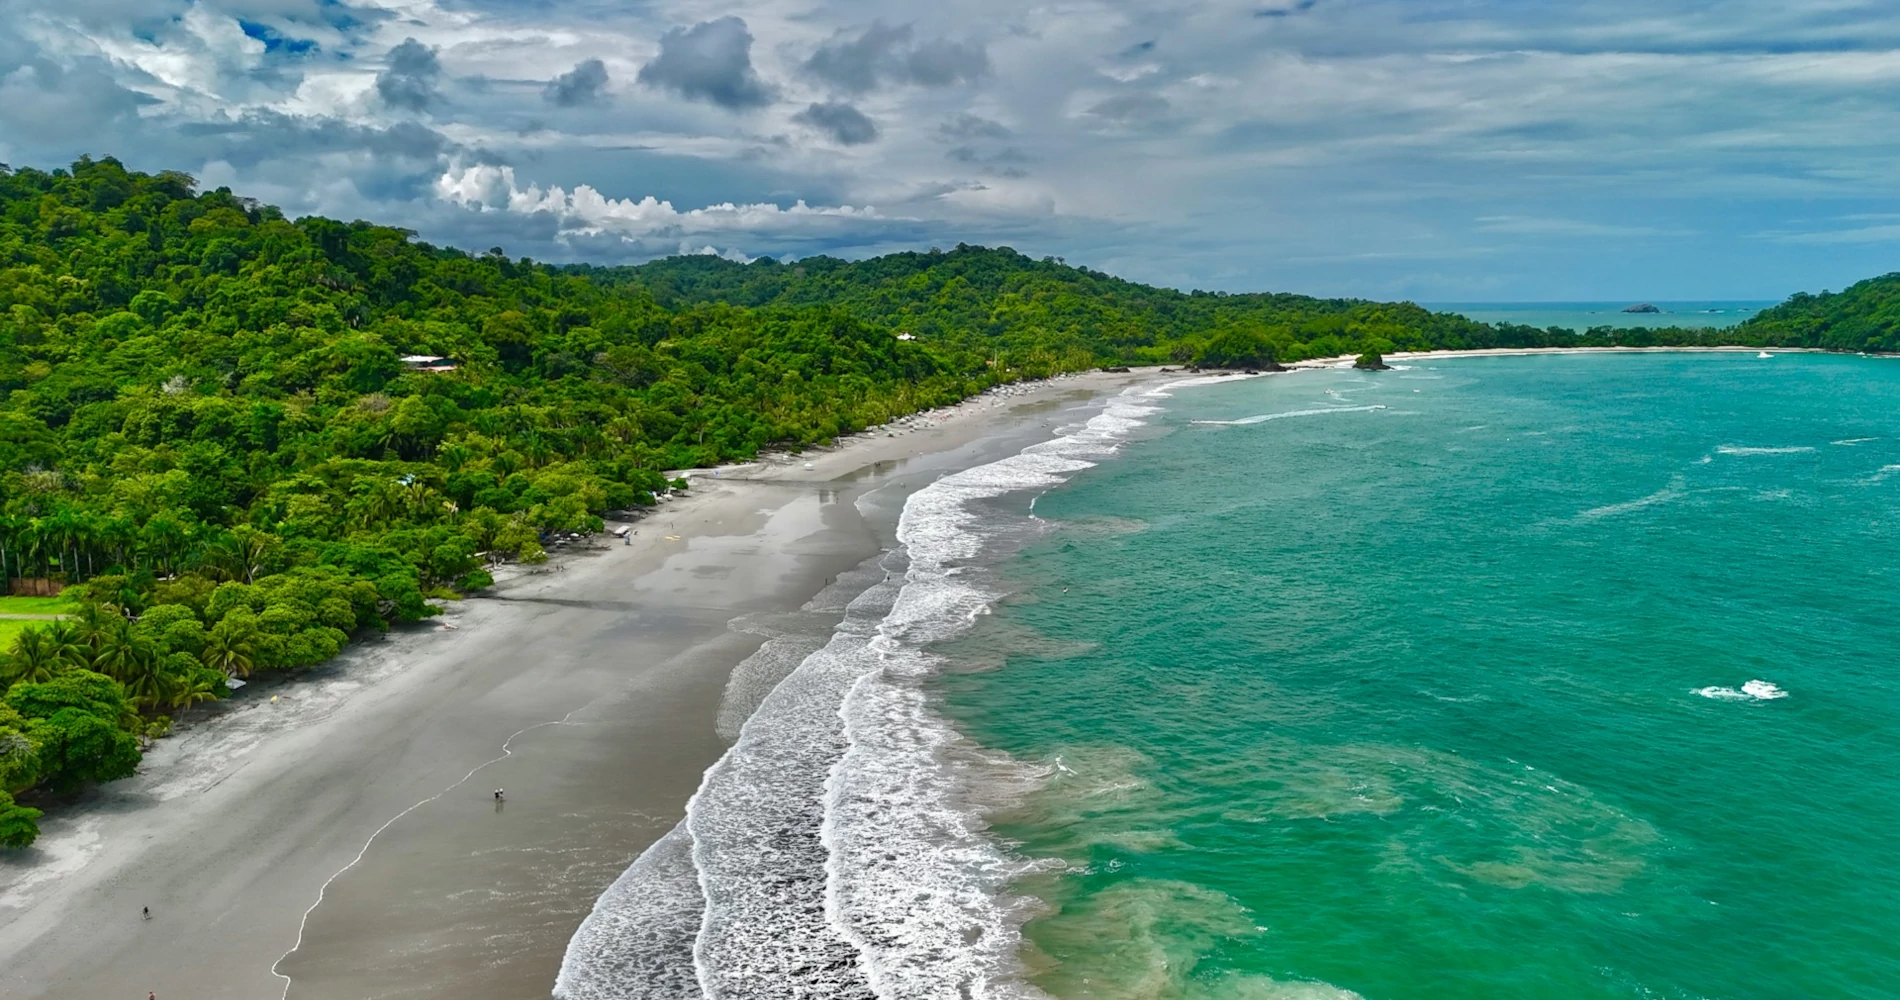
x=1865 y=317
x=207 y=418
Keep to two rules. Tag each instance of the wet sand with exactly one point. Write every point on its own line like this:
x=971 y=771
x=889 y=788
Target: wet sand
x=343 y=841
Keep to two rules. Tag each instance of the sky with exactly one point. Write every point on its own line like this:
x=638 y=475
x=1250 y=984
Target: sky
x=1433 y=150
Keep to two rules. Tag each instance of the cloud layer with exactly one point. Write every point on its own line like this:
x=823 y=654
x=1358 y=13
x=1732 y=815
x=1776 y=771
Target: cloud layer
x=1435 y=149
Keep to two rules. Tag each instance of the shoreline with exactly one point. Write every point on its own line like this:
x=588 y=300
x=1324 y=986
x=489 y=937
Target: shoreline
x=1498 y=352
x=343 y=834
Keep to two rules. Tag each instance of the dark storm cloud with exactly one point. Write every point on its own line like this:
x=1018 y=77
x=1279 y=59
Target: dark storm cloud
x=885 y=54
x=586 y=83
x=843 y=123
x=710 y=61
x=409 y=81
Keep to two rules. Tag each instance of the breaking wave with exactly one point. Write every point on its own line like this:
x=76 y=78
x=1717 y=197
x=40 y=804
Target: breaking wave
x=830 y=853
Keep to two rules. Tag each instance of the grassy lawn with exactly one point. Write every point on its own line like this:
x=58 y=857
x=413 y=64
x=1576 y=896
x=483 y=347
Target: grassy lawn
x=9 y=628
x=38 y=606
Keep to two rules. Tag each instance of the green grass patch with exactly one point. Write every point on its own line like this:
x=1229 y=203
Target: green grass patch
x=10 y=628
x=38 y=605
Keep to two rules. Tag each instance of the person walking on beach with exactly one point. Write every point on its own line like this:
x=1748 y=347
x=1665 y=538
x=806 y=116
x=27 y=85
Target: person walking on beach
x=497 y=795
x=145 y=912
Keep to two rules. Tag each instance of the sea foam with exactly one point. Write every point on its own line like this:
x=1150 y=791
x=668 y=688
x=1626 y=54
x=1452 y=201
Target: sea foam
x=828 y=853
x=1755 y=690
x=914 y=881
x=1732 y=449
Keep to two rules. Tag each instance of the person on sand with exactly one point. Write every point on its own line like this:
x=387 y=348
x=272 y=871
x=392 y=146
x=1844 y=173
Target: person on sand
x=146 y=912
x=497 y=795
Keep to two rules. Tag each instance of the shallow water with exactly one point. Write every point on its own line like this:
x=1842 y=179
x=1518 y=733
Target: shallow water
x=1529 y=677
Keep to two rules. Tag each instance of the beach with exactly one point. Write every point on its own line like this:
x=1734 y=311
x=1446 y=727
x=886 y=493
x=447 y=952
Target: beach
x=342 y=839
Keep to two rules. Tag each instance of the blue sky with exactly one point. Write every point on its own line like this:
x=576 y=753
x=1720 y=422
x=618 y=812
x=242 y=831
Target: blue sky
x=1438 y=150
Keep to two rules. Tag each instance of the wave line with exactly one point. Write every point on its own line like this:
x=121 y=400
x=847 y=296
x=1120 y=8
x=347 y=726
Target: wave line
x=507 y=751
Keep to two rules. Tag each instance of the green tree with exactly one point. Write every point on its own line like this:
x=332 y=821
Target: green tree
x=229 y=648
x=19 y=825
x=77 y=720
x=34 y=657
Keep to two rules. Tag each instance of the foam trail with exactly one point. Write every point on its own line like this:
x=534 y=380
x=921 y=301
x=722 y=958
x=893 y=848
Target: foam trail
x=1732 y=449
x=1264 y=417
x=914 y=882
x=1880 y=475
x=1674 y=491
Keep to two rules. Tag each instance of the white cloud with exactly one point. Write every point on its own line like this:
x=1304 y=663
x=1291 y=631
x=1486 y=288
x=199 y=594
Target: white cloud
x=585 y=211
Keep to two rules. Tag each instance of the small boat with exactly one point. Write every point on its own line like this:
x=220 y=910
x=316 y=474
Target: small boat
x=1764 y=354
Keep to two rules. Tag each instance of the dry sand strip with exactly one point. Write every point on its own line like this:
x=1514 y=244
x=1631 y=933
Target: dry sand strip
x=342 y=839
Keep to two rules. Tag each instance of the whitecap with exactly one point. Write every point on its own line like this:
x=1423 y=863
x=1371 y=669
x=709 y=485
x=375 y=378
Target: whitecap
x=1850 y=442
x=1754 y=690
x=1264 y=417
x=1763 y=691
x=1732 y=449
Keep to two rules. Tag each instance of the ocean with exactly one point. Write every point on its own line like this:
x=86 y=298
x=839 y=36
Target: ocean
x=1581 y=316
x=1559 y=676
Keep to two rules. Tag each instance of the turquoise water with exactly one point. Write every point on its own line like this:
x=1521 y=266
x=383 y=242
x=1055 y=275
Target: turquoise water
x=1582 y=316
x=1451 y=698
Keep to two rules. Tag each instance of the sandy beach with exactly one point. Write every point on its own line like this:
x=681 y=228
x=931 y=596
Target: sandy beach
x=341 y=838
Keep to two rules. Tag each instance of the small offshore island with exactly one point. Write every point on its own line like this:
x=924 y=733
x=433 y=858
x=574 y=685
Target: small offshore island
x=249 y=458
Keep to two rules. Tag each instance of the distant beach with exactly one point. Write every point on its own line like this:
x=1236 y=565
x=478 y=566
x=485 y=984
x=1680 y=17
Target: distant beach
x=1580 y=316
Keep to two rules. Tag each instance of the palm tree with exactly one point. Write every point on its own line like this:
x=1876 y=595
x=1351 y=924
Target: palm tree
x=255 y=549
x=163 y=537
x=9 y=534
x=146 y=681
x=33 y=659
x=193 y=689
x=68 y=644
x=229 y=651
x=121 y=653
x=90 y=627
